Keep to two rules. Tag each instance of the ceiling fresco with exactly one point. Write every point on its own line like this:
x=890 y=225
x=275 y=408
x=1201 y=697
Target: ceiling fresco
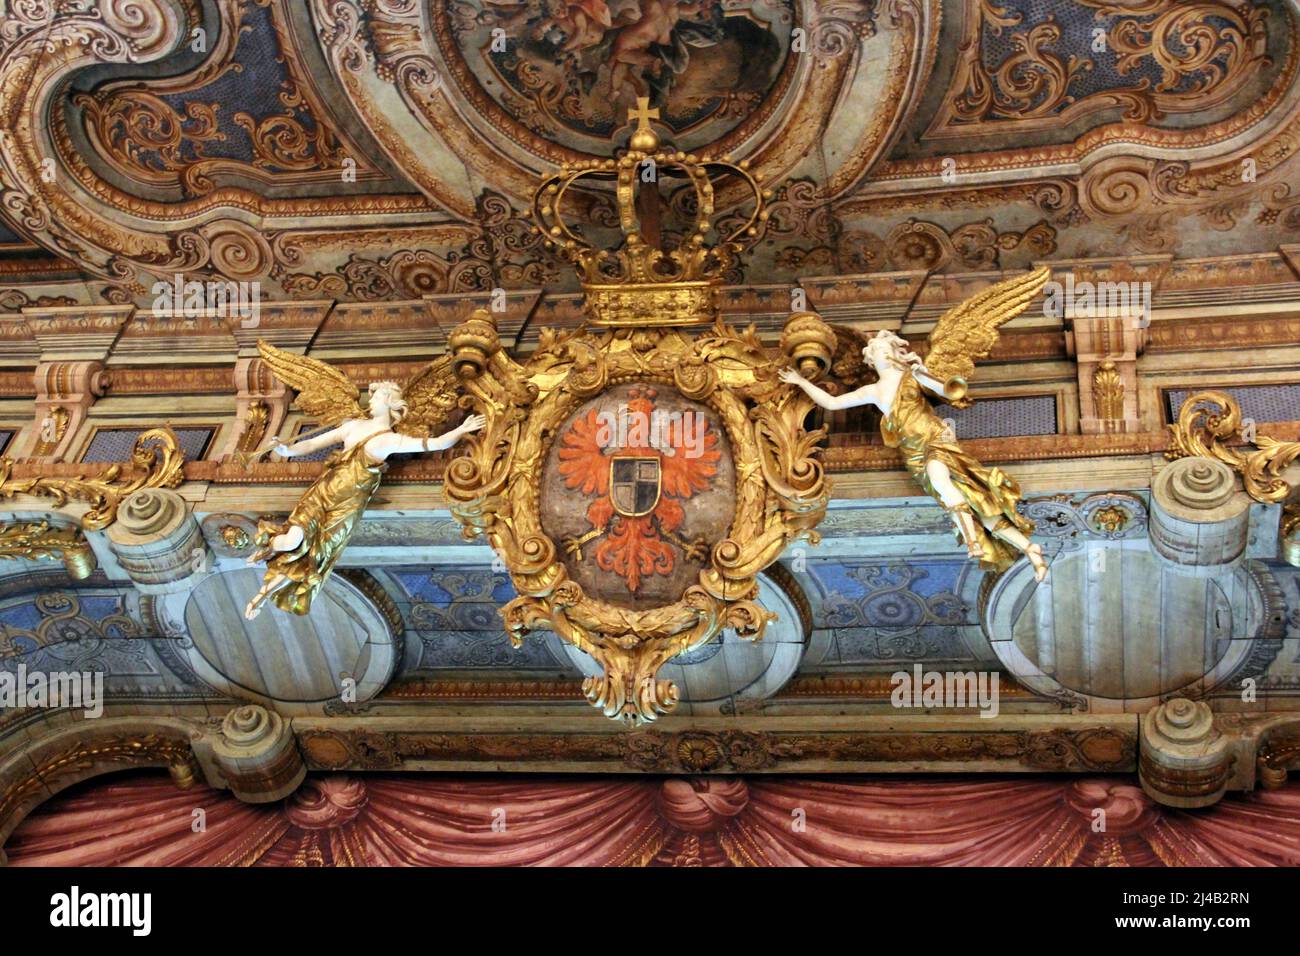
x=387 y=149
x=1031 y=66
x=570 y=71
x=241 y=111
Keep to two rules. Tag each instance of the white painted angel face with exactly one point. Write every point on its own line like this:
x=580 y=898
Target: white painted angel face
x=880 y=352
x=386 y=401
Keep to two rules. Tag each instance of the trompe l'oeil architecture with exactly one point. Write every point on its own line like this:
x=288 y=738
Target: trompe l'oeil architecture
x=834 y=387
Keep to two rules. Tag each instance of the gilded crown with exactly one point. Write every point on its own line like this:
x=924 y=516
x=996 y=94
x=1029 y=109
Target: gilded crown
x=639 y=283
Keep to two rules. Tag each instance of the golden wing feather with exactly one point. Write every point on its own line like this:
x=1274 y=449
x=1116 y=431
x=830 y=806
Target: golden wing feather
x=431 y=399
x=968 y=331
x=324 y=392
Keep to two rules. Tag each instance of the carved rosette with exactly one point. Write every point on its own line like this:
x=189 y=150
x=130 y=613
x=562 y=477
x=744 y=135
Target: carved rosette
x=495 y=490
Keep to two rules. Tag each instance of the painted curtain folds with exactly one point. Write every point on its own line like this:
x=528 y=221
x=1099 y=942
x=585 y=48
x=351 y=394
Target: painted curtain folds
x=417 y=820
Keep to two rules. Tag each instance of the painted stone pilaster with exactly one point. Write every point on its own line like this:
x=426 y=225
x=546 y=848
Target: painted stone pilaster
x=1106 y=352
x=73 y=342
x=261 y=401
x=65 y=392
x=261 y=405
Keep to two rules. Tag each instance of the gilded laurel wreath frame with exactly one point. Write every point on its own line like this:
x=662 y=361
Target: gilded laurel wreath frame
x=495 y=488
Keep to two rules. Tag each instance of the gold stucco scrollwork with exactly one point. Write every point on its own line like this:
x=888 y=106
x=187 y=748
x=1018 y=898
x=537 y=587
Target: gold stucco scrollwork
x=1291 y=535
x=37 y=540
x=495 y=489
x=1209 y=422
x=156 y=462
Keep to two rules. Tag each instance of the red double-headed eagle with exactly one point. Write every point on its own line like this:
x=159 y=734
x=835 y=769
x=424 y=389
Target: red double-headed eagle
x=639 y=525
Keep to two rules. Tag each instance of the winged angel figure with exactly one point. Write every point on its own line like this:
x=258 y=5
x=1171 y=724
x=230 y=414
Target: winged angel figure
x=981 y=501
x=300 y=553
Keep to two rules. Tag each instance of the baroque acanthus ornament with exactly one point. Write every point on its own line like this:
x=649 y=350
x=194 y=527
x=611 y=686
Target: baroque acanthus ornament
x=35 y=540
x=1209 y=424
x=1108 y=392
x=687 y=452
x=500 y=490
x=156 y=461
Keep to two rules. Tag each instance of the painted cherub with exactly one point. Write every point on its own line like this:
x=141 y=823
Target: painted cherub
x=300 y=553
x=633 y=51
x=981 y=501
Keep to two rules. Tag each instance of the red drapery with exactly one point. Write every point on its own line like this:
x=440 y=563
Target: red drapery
x=766 y=821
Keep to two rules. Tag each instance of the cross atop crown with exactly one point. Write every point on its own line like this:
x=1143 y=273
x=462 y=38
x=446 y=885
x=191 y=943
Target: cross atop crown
x=644 y=138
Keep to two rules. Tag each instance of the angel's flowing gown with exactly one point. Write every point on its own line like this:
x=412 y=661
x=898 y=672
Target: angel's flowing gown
x=327 y=514
x=914 y=429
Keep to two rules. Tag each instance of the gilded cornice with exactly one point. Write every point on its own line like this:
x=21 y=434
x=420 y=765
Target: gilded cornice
x=870 y=687
x=1181 y=288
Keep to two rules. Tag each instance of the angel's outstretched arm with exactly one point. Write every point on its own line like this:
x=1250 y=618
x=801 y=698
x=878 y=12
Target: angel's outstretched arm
x=444 y=441
x=866 y=395
x=397 y=444
x=308 y=445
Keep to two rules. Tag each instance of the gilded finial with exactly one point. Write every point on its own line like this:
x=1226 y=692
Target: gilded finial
x=644 y=138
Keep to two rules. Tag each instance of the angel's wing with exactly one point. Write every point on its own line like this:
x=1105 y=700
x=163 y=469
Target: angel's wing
x=968 y=331
x=430 y=398
x=324 y=392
